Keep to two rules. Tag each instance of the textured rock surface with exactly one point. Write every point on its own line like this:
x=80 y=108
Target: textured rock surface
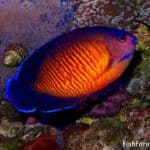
x=144 y=11
x=120 y=14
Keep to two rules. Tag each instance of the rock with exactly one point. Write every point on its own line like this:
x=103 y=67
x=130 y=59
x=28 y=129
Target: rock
x=14 y=54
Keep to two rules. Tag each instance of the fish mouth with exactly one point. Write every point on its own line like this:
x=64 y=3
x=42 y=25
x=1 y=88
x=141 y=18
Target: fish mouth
x=127 y=56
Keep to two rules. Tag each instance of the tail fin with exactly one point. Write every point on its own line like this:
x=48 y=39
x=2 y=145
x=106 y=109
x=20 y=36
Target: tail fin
x=21 y=97
x=27 y=100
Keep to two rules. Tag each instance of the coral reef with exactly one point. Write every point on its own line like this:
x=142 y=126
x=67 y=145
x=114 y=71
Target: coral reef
x=143 y=10
x=120 y=14
x=131 y=118
x=131 y=124
x=16 y=133
x=111 y=105
x=7 y=110
x=140 y=82
x=139 y=123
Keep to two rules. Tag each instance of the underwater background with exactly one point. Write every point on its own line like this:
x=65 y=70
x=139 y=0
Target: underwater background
x=26 y=24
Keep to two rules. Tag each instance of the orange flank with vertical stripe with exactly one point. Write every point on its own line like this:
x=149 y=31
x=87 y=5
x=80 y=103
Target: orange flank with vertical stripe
x=74 y=70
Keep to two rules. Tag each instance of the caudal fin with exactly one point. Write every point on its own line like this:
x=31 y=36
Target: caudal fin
x=20 y=96
x=27 y=100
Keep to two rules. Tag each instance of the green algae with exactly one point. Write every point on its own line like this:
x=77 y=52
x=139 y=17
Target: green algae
x=143 y=29
x=137 y=103
x=123 y=116
x=86 y=120
x=10 y=144
x=114 y=137
x=9 y=112
x=115 y=128
x=139 y=83
x=147 y=119
x=144 y=42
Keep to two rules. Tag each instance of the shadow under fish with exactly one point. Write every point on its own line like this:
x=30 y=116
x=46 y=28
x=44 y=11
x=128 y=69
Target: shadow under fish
x=60 y=77
x=111 y=98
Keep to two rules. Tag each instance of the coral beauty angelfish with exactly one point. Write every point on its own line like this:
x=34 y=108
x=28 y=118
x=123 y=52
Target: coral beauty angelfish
x=70 y=68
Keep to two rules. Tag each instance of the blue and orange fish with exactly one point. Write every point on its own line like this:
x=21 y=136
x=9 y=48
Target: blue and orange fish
x=70 y=68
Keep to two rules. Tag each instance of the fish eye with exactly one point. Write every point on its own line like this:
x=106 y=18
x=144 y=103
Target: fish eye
x=122 y=38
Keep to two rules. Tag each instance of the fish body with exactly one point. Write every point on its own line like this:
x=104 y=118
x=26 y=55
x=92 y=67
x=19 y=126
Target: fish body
x=70 y=68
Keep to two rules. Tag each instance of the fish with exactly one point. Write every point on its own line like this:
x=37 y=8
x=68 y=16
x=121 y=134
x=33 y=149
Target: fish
x=70 y=68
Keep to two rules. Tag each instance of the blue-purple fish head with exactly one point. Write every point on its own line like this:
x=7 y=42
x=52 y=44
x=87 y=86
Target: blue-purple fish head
x=121 y=44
